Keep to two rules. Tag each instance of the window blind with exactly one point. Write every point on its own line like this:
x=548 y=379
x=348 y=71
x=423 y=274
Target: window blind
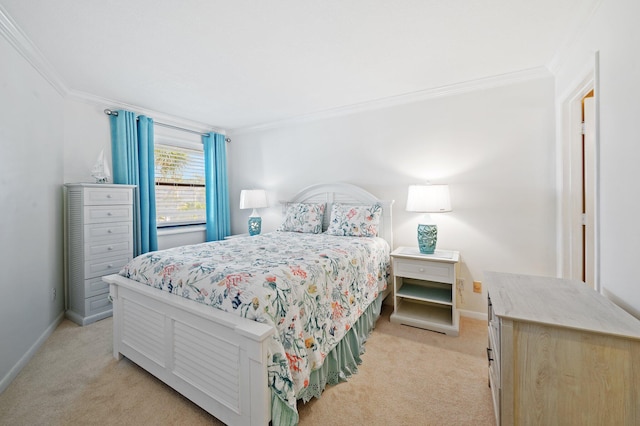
x=180 y=185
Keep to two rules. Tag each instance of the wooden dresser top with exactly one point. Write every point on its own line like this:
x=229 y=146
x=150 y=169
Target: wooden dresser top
x=558 y=302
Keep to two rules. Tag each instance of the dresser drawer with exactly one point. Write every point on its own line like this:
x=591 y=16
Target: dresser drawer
x=494 y=328
x=102 y=196
x=101 y=249
x=97 y=304
x=432 y=271
x=494 y=383
x=100 y=267
x=101 y=214
x=95 y=287
x=494 y=349
x=109 y=231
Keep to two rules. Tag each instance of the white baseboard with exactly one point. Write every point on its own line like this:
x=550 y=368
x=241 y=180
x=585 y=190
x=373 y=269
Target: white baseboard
x=473 y=314
x=6 y=380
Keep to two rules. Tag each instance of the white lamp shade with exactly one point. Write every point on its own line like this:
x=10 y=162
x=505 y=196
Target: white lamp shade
x=429 y=199
x=253 y=199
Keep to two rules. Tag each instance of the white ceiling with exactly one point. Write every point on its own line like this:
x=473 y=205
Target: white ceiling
x=240 y=63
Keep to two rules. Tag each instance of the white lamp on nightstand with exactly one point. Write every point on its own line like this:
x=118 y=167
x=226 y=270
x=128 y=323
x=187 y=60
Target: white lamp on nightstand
x=253 y=199
x=428 y=199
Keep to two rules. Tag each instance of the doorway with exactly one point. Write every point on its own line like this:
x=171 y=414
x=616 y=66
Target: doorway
x=579 y=182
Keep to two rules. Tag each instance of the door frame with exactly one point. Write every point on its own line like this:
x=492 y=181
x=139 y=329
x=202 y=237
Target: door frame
x=569 y=177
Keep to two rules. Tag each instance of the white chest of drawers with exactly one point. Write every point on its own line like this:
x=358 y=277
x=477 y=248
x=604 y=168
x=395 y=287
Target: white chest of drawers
x=99 y=241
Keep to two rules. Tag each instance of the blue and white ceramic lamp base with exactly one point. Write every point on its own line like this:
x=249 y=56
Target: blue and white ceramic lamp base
x=427 y=238
x=255 y=225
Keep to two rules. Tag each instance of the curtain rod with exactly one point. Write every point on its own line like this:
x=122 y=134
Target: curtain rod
x=170 y=126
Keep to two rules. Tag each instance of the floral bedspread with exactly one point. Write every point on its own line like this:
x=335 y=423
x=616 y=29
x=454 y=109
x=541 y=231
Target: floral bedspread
x=311 y=287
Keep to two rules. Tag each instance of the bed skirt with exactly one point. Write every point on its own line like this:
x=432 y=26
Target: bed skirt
x=338 y=366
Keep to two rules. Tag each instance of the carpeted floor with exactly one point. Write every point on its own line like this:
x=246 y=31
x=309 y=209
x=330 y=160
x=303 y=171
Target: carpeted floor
x=408 y=377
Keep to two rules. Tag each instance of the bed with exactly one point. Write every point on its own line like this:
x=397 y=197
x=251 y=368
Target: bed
x=302 y=296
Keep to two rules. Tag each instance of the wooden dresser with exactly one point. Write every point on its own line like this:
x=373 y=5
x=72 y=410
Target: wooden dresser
x=560 y=354
x=99 y=241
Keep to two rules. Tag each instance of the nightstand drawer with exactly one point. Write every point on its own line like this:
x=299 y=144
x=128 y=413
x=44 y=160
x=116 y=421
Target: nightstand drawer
x=433 y=271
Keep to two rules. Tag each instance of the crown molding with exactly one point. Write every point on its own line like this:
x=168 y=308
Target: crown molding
x=417 y=96
x=30 y=52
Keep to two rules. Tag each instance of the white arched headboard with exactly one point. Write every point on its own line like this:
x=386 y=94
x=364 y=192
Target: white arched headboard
x=345 y=193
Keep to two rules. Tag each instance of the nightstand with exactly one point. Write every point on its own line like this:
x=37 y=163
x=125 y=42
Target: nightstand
x=424 y=287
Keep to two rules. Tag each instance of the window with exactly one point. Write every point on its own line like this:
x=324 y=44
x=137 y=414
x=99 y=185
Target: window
x=180 y=185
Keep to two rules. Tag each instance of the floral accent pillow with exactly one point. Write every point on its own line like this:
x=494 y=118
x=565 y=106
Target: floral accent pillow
x=303 y=217
x=355 y=221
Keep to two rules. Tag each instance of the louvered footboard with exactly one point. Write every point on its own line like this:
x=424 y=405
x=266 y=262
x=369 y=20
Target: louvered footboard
x=217 y=360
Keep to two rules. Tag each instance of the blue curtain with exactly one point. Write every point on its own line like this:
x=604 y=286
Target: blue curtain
x=217 y=188
x=133 y=164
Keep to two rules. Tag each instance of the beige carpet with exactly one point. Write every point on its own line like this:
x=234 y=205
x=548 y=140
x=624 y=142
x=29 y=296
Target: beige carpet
x=409 y=377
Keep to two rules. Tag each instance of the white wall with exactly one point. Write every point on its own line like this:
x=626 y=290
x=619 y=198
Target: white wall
x=86 y=132
x=31 y=238
x=615 y=33
x=495 y=148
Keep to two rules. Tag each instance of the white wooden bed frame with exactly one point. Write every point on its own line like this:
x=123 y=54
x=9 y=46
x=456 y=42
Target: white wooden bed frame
x=172 y=336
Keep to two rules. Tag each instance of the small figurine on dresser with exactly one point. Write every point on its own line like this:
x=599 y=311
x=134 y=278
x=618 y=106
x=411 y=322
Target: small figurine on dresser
x=100 y=170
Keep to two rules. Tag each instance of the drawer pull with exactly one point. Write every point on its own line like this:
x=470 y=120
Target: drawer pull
x=109 y=248
x=108 y=213
x=109 y=231
x=109 y=266
x=421 y=269
x=489 y=353
x=108 y=195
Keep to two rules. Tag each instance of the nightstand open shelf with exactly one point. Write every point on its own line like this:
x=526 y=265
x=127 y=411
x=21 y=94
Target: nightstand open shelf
x=416 y=313
x=424 y=290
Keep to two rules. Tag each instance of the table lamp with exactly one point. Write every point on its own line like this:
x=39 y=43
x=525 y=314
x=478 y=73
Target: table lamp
x=428 y=199
x=253 y=199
